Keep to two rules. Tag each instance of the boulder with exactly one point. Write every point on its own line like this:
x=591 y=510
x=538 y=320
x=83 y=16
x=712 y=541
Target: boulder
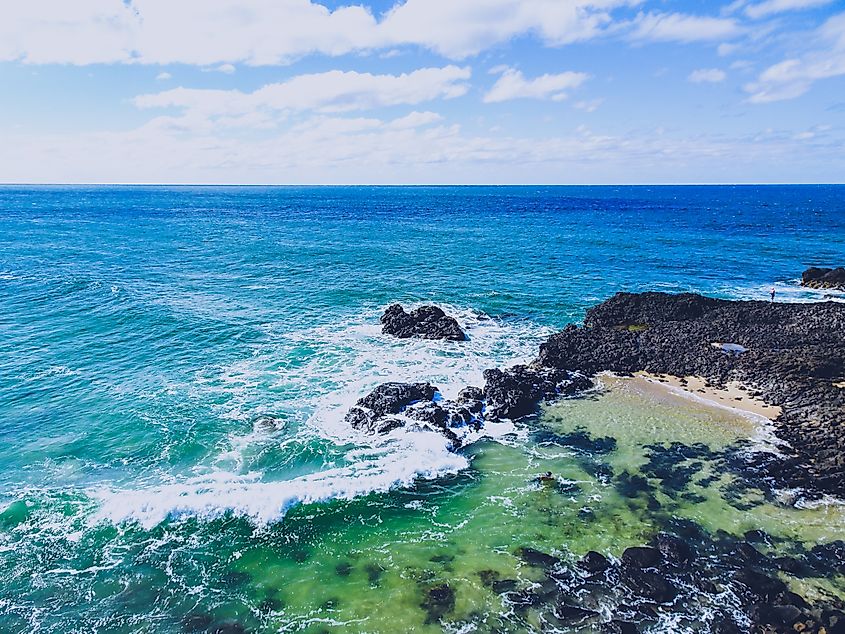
x=388 y=398
x=818 y=277
x=641 y=557
x=673 y=549
x=593 y=563
x=516 y=391
x=425 y=322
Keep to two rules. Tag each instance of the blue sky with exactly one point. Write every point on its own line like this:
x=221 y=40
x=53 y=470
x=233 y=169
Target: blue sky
x=422 y=91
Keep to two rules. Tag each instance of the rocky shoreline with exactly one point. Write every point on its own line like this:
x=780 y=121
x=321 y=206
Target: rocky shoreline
x=792 y=356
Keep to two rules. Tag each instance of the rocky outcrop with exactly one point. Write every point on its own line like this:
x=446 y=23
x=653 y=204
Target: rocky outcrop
x=394 y=405
x=515 y=392
x=792 y=355
x=817 y=277
x=510 y=394
x=425 y=322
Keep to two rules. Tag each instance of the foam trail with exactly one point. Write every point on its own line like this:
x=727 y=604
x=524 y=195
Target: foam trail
x=348 y=360
x=789 y=291
x=415 y=455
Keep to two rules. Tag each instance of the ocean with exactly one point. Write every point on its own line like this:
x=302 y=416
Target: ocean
x=176 y=362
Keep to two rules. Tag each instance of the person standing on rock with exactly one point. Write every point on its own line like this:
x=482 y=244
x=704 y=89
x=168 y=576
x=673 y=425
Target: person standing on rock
x=773 y=294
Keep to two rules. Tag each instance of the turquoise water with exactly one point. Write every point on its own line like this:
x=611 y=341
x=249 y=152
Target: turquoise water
x=175 y=364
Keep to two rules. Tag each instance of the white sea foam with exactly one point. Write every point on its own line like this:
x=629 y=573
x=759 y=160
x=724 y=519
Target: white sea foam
x=341 y=363
x=789 y=291
x=397 y=463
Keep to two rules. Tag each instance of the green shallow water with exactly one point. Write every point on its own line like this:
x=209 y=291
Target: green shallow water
x=370 y=564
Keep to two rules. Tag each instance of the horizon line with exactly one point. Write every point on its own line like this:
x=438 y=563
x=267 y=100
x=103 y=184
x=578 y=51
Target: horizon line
x=188 y=184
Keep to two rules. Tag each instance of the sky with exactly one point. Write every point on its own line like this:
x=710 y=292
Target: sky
x=422 y=91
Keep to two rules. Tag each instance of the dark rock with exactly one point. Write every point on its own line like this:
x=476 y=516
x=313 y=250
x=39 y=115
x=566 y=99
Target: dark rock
x=829 y=557
x=489 y=577
x=536 y=558
x=761 y=584
x=438 y=602
x=196 y=622
x=617 y=626
x=818 y=277
x=504 y=585
x=392 y=398
x=745 y=552
x=757 y=536
x=650 y=585
x=516 y=392
x=572 y=614
x=394 y=405
x=778 y=614
x=228 y=627
x=593 y=562
x=268 y=423
x=374 y=573
x=641 y=557
x=343 y=569
x=631 y=486
x=577 y=439
x=425 y=322
x=524 y=599
x=471 y=394
x=793 y=566
x=270 y=605
x=673 y=549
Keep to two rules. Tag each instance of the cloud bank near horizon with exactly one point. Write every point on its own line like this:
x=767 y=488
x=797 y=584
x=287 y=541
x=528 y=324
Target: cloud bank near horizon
x=422 y=91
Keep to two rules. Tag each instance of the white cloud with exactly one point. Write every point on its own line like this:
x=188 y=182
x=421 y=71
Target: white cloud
x=459 y=28
x=267 y=32
x=679 y=27
x=589 y=105
x=724 y=49
x=329 y=92
x=793 y=77
x=163 y=76
x=228 y=69
x=415 y=120
x=416 y=148
x=513 y=85
x=707 y=75
x=770 y=7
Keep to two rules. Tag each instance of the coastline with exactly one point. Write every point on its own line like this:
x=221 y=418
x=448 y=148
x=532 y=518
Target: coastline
x=732 y=396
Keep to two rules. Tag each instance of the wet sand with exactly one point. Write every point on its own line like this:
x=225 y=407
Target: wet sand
x=734 y=395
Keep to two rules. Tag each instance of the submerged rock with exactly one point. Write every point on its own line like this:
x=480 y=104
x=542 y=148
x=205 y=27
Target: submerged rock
x=536 y=558
x=425 y=322
x=438 y=601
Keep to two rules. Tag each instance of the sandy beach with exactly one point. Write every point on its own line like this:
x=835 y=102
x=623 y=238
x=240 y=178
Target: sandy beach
x=733 y=396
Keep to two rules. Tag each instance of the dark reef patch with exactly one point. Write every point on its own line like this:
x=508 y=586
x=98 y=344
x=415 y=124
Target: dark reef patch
x=686 y=576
